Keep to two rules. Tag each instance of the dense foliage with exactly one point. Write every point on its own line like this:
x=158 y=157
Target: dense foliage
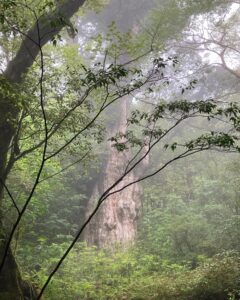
x=182 y=120
x=93 y=274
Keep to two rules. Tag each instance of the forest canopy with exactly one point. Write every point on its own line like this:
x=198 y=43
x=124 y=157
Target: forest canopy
x=119 y=149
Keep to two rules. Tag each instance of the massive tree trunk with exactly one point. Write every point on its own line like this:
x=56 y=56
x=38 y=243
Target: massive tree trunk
x=116 y=220
x=11 y=285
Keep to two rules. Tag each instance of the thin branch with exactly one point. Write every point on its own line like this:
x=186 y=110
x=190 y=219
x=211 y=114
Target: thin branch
x=15 y=226
x=133 y=158
x=65 y=168
x=10 y=195
x=54 y=127
x=102 y=108
x=182 y=155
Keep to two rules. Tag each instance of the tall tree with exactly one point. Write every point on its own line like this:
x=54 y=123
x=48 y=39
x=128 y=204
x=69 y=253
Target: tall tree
x=116 y=220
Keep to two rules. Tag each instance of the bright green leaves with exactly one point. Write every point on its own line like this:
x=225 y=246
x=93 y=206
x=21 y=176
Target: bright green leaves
x=10 y=98
x=7 y=89
x=4 y=6
x=15 y=16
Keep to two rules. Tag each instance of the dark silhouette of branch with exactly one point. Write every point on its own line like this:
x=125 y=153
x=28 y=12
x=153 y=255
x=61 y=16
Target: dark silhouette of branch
x=103 y=107
x=10 y=195
x=55 y=127
x=21 y=213
x=104 y=196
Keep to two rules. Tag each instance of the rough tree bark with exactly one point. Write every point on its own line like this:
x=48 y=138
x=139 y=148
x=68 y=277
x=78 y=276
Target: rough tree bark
x=116 y=220
x=11 y=284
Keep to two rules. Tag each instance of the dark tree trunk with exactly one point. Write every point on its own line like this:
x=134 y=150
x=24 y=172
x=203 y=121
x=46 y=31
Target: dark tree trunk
x=11 y=285
x=10 y=280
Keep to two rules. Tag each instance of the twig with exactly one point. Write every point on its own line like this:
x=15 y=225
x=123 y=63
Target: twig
x=10 y=195
x=64 y=169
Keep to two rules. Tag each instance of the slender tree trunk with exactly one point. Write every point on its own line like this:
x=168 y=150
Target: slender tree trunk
x=116 y=220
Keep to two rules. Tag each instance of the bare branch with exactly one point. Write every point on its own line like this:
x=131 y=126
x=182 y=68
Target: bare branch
x=10 y=195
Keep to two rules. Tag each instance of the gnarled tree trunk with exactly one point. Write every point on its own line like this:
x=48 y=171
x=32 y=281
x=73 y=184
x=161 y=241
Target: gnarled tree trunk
x=116 y=220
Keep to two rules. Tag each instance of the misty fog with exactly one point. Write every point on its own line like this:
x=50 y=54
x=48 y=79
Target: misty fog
x=119 y=150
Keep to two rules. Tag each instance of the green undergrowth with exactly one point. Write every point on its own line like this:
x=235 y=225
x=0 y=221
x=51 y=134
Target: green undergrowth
x=90 y=274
